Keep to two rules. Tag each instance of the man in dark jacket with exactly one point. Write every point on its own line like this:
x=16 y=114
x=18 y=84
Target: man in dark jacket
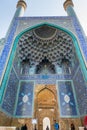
x=24 y=127
x=56 y=125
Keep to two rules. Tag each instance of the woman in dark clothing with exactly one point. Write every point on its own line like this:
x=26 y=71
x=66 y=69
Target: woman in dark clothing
x=47 y=128
x=85 y=128
x=72 y=127
x=24 y=127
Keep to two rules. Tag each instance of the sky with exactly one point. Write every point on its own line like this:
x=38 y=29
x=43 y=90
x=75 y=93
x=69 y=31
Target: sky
x=40 y=8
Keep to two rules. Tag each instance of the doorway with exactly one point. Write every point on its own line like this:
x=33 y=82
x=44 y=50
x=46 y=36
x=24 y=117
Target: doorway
x=46 y=123
x=46 y=106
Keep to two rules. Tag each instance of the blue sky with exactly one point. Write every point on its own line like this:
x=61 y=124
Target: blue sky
x=40 y=8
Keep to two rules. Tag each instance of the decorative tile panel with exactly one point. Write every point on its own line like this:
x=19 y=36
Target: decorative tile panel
x=62 y=21
x=46 y=77
x=81 y=92
x=9 y=99
x=7 y=48
x=25 y=99
x=81 y=36
x=66 y=99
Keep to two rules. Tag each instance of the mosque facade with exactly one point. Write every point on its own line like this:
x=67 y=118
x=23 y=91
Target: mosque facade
x=43 y=71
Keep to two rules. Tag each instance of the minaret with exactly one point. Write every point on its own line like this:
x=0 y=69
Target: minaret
x=21 y=6
x=68 y=6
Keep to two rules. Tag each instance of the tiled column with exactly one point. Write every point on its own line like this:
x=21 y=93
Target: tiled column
x=21 y=6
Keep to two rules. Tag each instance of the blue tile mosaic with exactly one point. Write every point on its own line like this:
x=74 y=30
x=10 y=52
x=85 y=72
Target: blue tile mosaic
x=47 y=77
x=70 y=11
x=25 y=99
x=66 y=99
x=75 y=65
x=17 y=68
x=81 y=91
x=45 y=81
x=81 y=37
x=7 y=48
x=9 y=99
x=17 y=65
x=44 y=18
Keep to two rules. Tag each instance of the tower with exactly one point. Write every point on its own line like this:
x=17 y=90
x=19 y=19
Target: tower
x=21 y=7
x=43 y=71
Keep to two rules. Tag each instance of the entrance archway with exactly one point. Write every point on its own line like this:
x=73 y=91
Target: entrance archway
x=46 y=123
x=46 y=106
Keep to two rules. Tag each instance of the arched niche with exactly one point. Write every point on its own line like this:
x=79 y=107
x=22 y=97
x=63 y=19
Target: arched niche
x=46 y=98
x=46 y=124
x=46 y=108
x=33 y=64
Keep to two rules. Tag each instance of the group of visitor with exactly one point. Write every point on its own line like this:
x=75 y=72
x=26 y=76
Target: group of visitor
x=23 y=127
x=56 y=126
x=72 y=127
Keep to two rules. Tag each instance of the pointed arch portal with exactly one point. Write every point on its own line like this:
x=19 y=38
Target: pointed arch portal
x=75 y=43
x=43 y=51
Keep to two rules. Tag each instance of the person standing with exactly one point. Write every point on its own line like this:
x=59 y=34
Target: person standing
x=85 y=128
x=47 y=128
x=24 y=127
x=56 y=125
x=72 y=126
